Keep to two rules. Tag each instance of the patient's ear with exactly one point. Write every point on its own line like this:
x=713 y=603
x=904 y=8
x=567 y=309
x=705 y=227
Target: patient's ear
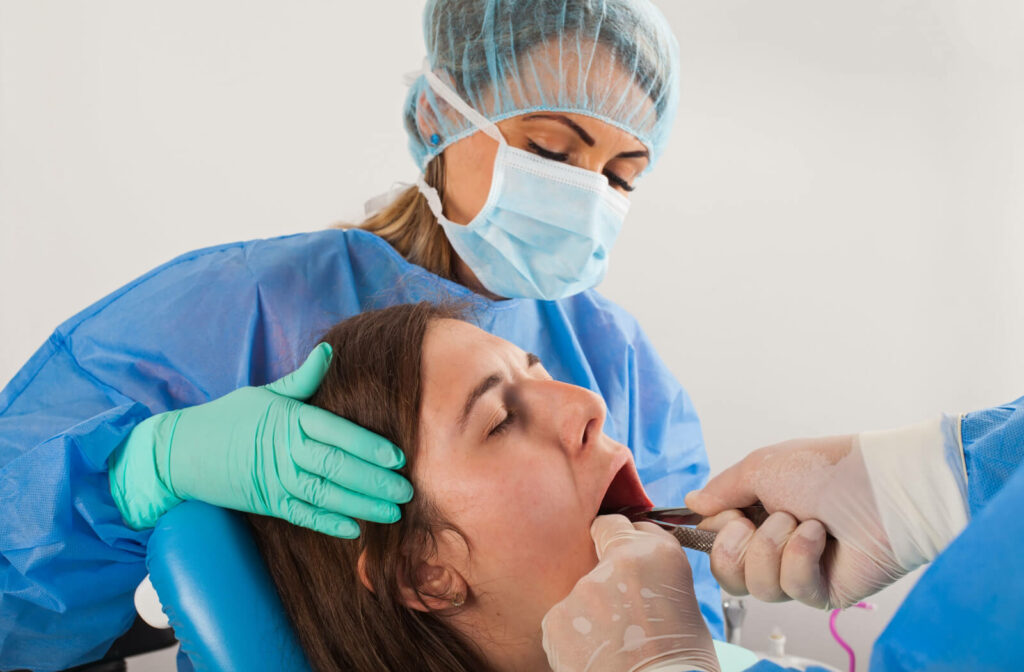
x=361 y=568
x=439 y=585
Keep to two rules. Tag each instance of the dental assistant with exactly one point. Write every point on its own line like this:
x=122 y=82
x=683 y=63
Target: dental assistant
x=530 y=129
x=850 y=515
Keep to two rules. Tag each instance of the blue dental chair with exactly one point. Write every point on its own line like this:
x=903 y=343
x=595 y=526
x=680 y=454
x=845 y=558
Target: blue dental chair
x=218 y=595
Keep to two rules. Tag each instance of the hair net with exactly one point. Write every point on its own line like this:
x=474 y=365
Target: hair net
x=614 y=60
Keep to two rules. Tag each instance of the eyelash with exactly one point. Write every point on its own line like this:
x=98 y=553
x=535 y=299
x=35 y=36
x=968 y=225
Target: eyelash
x=503 y=426
x=562 y=156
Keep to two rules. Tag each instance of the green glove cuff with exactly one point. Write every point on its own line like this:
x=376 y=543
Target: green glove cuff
x=138 y=471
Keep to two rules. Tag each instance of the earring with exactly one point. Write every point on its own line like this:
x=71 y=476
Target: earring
x=458 y=600
x=435 y=138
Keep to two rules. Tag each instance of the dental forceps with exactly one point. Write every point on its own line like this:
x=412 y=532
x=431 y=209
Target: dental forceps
x=680 y=521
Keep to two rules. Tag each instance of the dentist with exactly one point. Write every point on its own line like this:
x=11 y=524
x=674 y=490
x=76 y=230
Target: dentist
x=532 y=123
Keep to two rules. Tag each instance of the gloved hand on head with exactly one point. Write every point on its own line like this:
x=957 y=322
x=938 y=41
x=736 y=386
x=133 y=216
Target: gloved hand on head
x=849 y=514
x=262 y=450
x=636 y=610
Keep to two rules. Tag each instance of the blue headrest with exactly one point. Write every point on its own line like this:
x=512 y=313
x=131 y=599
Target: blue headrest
x=217 y=593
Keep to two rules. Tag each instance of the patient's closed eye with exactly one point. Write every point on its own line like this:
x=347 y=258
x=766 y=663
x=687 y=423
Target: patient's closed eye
x=503 y=426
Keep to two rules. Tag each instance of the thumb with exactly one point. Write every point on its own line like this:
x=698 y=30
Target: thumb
x=605 y=530
x=731 y=489
x=304 y=381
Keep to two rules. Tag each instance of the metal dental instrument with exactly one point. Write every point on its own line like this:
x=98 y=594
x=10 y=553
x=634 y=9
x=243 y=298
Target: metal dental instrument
x=680 y=521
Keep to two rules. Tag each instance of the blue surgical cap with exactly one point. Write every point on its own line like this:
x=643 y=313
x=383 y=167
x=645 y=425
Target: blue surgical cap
x=613 y=60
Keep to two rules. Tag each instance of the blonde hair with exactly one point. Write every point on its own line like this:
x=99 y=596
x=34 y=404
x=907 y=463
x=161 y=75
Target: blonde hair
x=411 y=228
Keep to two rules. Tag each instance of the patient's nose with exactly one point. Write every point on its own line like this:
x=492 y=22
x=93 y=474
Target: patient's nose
x=573 y=415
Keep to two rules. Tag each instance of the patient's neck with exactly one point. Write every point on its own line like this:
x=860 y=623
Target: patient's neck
x=509 y=642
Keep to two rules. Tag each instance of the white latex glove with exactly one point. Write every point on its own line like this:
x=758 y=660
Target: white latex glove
x=636 y=610
x=889 y=502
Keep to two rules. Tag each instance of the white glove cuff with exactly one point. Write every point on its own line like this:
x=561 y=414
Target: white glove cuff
x=670 y=666
x=919 y=482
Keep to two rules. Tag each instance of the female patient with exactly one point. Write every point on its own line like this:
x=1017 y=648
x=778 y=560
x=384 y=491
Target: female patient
x=510 y=469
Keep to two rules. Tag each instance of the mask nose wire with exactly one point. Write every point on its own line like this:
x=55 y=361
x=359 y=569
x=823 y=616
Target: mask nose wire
x=453 y=99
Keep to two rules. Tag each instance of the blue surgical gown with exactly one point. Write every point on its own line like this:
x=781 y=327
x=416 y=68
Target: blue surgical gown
x=241 y=314
x=965 y=612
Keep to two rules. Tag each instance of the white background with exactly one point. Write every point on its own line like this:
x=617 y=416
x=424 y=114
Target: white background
x=831 y=243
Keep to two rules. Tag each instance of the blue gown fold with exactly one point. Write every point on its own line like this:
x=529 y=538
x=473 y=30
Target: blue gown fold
x=241 y=314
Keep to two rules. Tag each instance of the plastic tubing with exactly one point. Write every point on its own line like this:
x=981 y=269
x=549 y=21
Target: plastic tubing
x=842 y=642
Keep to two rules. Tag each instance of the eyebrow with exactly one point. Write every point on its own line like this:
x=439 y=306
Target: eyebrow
x=586 y=137
x=482 y=388
x=638 y=154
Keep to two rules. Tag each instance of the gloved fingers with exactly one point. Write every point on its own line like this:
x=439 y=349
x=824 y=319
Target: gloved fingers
x=606 y=530
x=298 y=512
x=763 y=562
x=327 y=496
x=728 y=554
x=718 y=521
x=656 y=530
x=801 y=576
x=731 y=489
x=303 y=382
x=350 y=472
x=333 y=430
x=633 y=539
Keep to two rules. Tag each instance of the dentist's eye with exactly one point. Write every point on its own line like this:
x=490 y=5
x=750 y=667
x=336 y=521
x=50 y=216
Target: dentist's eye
x=504 y=425
x=617 y=181
x=546 y=153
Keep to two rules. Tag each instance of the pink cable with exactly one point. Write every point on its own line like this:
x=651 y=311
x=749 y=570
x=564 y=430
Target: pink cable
x=842 y=642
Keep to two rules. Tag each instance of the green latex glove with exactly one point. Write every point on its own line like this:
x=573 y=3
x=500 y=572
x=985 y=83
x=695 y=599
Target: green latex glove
x=261 y=450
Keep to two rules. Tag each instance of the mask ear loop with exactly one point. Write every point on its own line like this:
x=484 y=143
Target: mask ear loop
x=453 y=99
x=478 y=120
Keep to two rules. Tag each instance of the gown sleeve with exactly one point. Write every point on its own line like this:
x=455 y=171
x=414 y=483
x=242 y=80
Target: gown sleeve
x=668 y=446
x=69 y=565
x=965 y=611
x=993 y=441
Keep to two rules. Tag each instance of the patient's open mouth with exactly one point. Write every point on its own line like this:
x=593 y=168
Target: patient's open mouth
x=625 y=490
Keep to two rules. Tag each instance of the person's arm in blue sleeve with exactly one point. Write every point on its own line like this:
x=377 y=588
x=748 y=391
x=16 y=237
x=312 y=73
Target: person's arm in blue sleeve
x=964 y=613
x=68 y=564
x=177 y=350
x=993 y=448
x=671 y=458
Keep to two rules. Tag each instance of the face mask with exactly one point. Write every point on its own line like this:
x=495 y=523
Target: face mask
x=547 y=227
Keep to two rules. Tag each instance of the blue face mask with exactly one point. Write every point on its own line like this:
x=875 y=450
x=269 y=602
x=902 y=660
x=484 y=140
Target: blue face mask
x=547 y=227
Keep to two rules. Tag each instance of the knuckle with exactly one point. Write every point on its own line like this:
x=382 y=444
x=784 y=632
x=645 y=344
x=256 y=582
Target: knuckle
x=295 y=513
x=313 y=489
x=763 y=592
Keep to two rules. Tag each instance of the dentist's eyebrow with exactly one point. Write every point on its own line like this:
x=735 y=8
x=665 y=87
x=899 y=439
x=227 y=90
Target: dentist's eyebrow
x=483 y=386
x=584 y=136
x=638 y=154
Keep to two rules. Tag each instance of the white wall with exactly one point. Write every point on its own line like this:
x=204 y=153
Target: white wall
x=832 y=243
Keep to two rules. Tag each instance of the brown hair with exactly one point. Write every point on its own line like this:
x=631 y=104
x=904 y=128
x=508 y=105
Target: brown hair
x=411 y=228
x=373 y=380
